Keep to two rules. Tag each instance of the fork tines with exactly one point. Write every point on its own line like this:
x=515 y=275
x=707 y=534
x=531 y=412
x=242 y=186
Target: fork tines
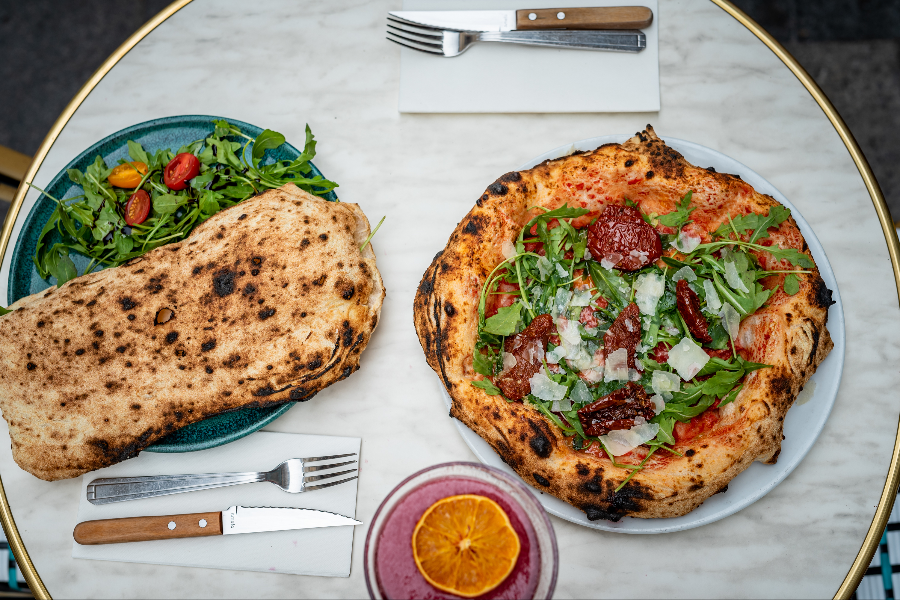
x=311 y=478
x=415 y=35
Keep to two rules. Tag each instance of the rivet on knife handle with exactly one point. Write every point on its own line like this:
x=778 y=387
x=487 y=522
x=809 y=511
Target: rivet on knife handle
x=142 y=529
x=612 y=17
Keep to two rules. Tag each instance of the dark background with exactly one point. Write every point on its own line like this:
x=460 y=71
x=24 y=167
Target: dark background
x=49 y=48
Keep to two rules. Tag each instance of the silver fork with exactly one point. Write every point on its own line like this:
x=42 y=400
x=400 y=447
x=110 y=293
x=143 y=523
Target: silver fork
x=289 y=476
x=450 y=43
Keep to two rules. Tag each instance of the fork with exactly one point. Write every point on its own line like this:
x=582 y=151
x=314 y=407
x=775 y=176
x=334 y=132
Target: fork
x=450 y=43
x=290 y=476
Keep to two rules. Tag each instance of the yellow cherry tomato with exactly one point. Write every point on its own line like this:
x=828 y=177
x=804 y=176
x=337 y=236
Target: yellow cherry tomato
x=127 y=175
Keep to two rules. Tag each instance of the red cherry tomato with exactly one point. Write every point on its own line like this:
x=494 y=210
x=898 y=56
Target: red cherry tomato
x=180 y=169
x=138 y=208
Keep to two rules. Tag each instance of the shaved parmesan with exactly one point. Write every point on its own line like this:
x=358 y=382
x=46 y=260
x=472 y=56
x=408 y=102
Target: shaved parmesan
x=687 y=358
x=568 y=331
x=658 y=403
x=580 y=393
x=648 y=289
x=545 y=388
x=544 y=267
x=508 y=249
x=623 y=441
x=560 y=302
x=664 y=383
x=581 y=298
x=686 y=273
x=561 y=405
x=712 y=296
x=733 y=277
x=593 y=375
x=587 y=254
x=561 y=271
x=555 y=355
x=616 y=367
x=509 y=361
x=731 y=320
x=611 y=260
x=686 y=243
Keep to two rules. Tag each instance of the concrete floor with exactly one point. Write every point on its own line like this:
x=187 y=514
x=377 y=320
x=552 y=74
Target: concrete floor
x=851 y=48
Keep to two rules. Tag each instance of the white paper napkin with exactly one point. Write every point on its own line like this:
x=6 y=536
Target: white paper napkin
x=325 y=552
x=511 y=78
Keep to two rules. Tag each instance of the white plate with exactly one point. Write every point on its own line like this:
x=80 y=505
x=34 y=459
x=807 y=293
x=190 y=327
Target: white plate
x=804 y=422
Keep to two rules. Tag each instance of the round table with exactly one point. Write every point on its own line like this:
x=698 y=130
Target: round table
x=724 y=84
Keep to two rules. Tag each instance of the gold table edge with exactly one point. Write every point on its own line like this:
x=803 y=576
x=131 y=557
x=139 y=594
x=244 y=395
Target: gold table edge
x=888 y=494
x=13 y=537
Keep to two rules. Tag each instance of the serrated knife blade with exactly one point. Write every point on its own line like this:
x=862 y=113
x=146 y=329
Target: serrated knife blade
x=233 y=520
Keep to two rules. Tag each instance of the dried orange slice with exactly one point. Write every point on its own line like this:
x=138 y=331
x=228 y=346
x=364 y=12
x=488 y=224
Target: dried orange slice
x=465 y=545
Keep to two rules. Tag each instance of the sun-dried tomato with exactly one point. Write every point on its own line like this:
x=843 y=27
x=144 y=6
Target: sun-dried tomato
x=622 y=237
x=689 y=307
x=625 y=332
x=528 y=346
x=616 y=411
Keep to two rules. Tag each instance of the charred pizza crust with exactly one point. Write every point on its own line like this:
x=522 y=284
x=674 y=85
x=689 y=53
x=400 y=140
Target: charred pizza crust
x=789 y=333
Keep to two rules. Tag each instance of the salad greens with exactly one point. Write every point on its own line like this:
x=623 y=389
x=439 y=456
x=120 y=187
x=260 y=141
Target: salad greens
x=549 y=270
x=232 y=169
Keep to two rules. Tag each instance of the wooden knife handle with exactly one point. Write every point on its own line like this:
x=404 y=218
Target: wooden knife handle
x=142 y=529
x=612 y=17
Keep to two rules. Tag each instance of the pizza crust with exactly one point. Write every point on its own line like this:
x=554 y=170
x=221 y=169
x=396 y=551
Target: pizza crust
x=789 y=333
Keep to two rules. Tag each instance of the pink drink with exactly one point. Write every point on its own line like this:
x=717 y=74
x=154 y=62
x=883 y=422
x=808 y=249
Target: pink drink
x=396 y=573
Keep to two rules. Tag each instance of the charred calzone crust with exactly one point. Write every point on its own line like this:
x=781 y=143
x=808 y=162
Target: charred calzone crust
x=271 y=301
x=625 y=189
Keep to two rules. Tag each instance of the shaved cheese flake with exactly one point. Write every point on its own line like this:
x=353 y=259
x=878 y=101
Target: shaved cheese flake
x=509 y=361
x=623 y=441
x=592 y=375
x=687 y=358
x=648 y=289
x=731 y=320
x=560 y=302
x=561 y=405
x=580 y=393
x=616 y=367
x=665 y=383
x=561 y=271
x=544 y=267
x=508 y=249
x=686 y=273
x=545 y=388
x=568 y=331
x=534 y=351
x=611 y=260
x=713 y=303
x=587 y=254
x=555 y=355
x=733 y=278
x=659 y=403
x=686 y=243
x=581 y=298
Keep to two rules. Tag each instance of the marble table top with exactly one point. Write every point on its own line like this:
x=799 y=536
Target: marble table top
x=283 y=63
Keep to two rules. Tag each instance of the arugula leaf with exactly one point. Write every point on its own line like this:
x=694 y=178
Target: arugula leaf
x=136 y=152
x=731 y=396
x=777 y=215
x=60 y=266
x=681 y=215
x=608 y=283
x=489 y=388
x=4 y=311
x=482 y=363
x=266 y=140
x=505 y=321
x=167 y=203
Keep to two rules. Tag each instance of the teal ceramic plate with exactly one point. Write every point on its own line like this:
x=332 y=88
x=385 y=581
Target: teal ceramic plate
x=169 y=132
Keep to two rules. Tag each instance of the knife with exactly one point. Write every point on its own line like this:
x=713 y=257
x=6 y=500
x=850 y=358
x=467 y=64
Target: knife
x=236 y=519
x=612 y=17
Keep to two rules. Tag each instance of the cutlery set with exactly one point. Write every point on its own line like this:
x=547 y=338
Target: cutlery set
x=291 y=476
x=450 y=33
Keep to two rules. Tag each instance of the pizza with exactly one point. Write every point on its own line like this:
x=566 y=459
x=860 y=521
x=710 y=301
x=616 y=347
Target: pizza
x=625 y=329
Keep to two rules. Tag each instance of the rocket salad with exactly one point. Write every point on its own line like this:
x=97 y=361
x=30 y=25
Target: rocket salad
x=156 y=198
